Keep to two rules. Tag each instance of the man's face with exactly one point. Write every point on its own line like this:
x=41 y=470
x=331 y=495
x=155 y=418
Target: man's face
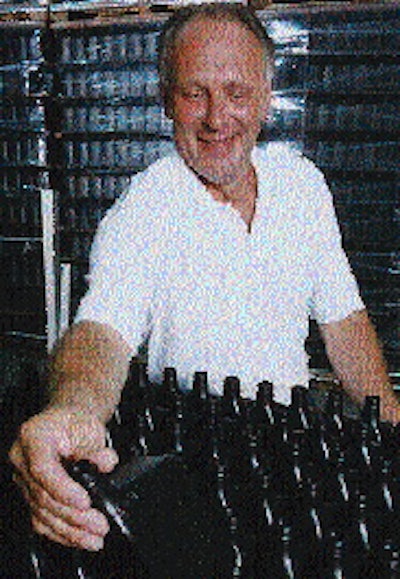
x=219 y=99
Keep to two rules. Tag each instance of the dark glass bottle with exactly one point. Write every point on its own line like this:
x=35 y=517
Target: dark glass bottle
x=390 y=560
x=198 y=422
x=334 y=410
x=131 y=423
x=154 y=507
x=299 y=415
x=264 y=407
x=200 y=387
x=266 y=426
x=234 y=429
x=286 y=554
x=306 y=532
x=229 y=561
x=169 y=388
x=314 y=547
x=289 y=543
x=51 y=560
x=231 y=403
x=372 y=434
x=267 y=560
x=167 y=415
x=357 y=556
x=333 y=563
x=123 y=498
x=370 y=413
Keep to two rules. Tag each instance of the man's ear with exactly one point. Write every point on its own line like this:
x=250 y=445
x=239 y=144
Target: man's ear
x=168 y=111
x=168 y=104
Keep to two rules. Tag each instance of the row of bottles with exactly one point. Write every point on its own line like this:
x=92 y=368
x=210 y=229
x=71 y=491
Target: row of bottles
x=250 y=488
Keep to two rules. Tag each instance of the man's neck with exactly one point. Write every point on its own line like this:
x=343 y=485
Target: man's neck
x=241 y=194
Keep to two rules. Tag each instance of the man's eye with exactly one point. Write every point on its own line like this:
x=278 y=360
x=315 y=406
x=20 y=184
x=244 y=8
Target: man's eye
x=193 y=94
x=239 y=95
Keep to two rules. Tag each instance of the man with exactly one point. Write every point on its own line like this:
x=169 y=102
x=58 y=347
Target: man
x=217 y=255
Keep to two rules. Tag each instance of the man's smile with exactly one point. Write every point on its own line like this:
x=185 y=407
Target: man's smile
x=216 y=144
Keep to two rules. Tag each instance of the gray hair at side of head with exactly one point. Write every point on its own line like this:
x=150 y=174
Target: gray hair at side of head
x=209 y=11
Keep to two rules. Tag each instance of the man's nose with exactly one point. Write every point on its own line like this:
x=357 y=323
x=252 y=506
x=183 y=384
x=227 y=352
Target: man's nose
x=216 y=111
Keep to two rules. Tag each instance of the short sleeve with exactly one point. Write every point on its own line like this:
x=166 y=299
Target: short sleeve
x=121 y=279
x=335 y=292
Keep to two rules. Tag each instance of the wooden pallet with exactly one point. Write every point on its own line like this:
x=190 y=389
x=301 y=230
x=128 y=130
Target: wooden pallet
x=23 y=14
x=322 y=4
x=107 y=11
x=122 y=10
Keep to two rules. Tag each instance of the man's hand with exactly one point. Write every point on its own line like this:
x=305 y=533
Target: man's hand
x=61 y=508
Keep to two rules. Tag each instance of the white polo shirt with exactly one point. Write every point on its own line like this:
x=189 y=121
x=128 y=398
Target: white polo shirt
x=171 y=264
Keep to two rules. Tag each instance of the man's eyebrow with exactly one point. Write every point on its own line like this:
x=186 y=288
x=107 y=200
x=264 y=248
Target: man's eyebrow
x=228 y=85
x=189 y=84
x=237 y=84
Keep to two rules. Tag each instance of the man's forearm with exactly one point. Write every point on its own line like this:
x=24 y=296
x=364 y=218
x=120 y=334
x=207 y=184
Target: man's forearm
x=89 y=369
x=354 y=351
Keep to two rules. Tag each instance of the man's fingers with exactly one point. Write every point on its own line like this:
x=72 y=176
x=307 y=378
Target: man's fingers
x=42 y=503
x=84 y=529
x=57 y=530
x=16 y=456
x=105 y=459
x=61 y=523
x=41 y=466
x=50 y=478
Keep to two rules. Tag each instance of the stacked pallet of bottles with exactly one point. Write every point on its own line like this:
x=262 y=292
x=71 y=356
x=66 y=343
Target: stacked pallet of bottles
x=232 y=487
x=285 y=121
x=352 y=133
x=23 y=170
x=109 y=126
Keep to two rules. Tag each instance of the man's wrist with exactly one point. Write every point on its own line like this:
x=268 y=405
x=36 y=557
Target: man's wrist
x=81 y=410
x=86 y=397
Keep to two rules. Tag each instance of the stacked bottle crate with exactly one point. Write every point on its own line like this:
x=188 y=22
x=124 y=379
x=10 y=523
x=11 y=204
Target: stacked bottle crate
x=285 y=121
x=352 y=134
x=22 y=173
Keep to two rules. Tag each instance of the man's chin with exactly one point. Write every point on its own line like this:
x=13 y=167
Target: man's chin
x=220 y=173
x=216 y=178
